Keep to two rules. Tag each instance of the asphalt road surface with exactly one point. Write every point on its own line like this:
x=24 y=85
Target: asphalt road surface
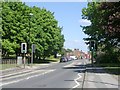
x=59 y=75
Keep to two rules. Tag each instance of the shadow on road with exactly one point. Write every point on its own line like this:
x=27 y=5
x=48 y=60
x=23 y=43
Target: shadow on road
x=93 y=69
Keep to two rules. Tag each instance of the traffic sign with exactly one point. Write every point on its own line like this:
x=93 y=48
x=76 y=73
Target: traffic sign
x=23 y=47
x=33 y=48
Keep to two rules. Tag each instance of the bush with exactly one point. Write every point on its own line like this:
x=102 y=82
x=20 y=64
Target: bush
x=107 y=58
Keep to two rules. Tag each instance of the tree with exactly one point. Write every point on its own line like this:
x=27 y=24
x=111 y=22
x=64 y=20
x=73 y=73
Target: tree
x=41 y=29
x=104 y=29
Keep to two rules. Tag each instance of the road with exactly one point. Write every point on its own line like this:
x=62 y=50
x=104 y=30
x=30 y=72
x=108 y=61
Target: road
x=60 y=75
x=69 y=75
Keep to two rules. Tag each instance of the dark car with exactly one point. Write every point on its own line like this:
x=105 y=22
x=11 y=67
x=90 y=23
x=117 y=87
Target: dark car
x=63 y=59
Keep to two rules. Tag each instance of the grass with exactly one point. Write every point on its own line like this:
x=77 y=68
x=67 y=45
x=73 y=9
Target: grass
x=48 y=60
x=112 y=68
x=108 y=64
x=7 y=66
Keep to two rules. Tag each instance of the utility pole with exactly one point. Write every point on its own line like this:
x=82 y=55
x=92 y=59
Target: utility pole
x=92 y=45
x=30 y=15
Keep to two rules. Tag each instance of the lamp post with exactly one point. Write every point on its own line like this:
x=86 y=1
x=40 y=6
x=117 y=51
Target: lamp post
x=30 y=15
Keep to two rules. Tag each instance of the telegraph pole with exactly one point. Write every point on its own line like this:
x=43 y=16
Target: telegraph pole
x=92 y=45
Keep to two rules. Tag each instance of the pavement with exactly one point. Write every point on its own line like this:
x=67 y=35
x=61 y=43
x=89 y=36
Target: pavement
x=96 y=77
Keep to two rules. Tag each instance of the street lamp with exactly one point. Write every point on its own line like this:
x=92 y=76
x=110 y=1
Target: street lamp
x=30 y=15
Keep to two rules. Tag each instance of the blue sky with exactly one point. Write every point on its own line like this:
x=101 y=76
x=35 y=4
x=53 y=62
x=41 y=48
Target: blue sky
x=68 y=15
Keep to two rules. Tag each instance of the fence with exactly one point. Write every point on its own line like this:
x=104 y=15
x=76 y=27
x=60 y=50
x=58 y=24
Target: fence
x=12 y=63
x=8 y=63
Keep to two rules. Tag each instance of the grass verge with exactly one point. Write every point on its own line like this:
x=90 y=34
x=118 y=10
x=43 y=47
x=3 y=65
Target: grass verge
x=7 y=66
x=110 y=68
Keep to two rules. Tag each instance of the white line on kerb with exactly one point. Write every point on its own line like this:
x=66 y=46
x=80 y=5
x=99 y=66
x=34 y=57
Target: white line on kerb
x=77 y=81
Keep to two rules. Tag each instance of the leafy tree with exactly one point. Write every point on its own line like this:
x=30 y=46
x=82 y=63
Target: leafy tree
x=40 y=29
x=104 y=28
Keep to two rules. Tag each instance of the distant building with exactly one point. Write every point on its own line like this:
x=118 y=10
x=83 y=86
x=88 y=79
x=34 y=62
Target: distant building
x=79 y=54
x=76 y=53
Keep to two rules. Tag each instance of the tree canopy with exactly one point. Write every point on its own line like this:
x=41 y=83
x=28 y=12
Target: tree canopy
x=105 y=26
x=19 y=26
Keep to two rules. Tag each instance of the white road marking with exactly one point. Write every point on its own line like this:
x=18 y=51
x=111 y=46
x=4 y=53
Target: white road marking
x=47 y=65
x=11 y=82
x=21 y=75
x=48 y=71
x=15 y=73
x=78 y=84
x=40 y=74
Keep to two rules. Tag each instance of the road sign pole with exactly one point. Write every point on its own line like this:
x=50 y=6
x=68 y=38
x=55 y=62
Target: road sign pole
x=24 y=50
x=24 y=60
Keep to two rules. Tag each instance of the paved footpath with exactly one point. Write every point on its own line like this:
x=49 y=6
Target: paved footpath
x=96 y=77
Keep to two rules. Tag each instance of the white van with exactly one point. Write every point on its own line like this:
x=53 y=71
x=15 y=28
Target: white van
x=73 y=57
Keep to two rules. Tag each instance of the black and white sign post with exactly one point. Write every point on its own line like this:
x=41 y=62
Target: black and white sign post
x=24 y=50
x=33 y=51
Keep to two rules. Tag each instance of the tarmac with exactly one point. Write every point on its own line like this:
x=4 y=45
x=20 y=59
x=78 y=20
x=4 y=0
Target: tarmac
x=95 y=77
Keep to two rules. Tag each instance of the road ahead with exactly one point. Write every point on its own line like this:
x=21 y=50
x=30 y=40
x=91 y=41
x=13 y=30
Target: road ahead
x=60 y=75
x=67 y=75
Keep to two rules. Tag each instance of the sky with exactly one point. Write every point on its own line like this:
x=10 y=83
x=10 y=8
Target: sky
x=68 y=15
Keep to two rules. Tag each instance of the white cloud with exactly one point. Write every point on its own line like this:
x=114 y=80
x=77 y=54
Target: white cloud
x=84 y=22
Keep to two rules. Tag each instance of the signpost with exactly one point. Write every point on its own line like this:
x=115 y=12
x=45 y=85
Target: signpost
x=24 y=50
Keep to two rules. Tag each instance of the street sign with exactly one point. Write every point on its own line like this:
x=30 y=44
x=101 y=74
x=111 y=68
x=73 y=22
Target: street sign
x=23 y=47
x=33 y=48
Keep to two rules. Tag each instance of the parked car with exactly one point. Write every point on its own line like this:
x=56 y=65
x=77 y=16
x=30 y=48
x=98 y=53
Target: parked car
x=63 y=59
x=69 y=58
